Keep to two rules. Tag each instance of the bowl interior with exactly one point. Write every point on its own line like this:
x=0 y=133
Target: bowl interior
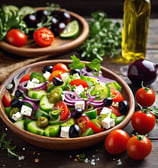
x=64 y=143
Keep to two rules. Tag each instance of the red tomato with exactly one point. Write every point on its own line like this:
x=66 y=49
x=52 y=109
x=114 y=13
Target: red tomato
x=25 y=78
x=60 y=66
x=116 y=95
x=83 y=123
x=145 y=97
x=139 y=147
x=64 y=110
x=7 y=100
x=16 y=37
x=115 y=110
x=78 y=82
x=116 y=141
x=55 y=73
x=143 y=122
x=43 y=37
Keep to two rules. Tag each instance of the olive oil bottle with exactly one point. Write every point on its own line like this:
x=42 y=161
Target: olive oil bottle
x=135 y=29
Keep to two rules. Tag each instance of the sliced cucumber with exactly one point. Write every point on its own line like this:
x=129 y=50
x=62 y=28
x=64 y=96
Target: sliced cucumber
x=68 y=123
x=36 y=94
x=32 y=127
x=40 y=113
x=71 y=30
x=114 y=85
x=91 y=114
x=25 y=10
x=45 y=104
x=52 y=130
x=20 y=124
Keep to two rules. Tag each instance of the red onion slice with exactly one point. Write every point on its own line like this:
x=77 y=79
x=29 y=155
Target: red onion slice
x=30 y=99
x=43 y=86
x=22 y=86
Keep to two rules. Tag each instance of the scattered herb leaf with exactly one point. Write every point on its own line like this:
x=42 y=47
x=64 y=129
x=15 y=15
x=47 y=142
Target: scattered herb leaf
x=94 y=65
x=76 y=64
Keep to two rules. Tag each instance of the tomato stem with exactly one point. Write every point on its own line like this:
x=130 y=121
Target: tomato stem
x=140 y=137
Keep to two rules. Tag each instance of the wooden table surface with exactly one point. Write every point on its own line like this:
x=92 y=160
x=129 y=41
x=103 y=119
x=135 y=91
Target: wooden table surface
x=35 y=157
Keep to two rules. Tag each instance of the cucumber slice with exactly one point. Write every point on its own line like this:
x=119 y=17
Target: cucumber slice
x=45 y=104
x=71 y=30
x=36 y=94
x=88 y=132
x=68 y=123
x=20 y=124
x=40 y=113
x=25 y=10
x=91 y=114
x=52 y=130
x=114 y=85
x=32 y=127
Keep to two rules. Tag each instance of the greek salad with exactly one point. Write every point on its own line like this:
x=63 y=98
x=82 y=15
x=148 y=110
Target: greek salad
x=67 y=101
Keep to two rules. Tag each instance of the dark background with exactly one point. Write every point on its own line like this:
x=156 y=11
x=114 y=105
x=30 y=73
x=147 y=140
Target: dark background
x=114 y=8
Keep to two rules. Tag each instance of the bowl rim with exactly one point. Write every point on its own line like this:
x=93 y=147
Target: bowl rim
x=21 y=132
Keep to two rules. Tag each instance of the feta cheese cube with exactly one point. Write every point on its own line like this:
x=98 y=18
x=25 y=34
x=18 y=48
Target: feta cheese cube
x=31 y=84
x=64 y=132
x=108 y=122
x=35 y=80
x=79 y=89
x=46 y=75
x=64 y=77
x=17 y=116
x=106 y=110
x=25 y=110
x=80 y=104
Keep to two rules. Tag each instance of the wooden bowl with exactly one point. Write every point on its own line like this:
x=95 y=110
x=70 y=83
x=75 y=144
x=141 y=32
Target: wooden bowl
x=31 y=49
x=64 y=143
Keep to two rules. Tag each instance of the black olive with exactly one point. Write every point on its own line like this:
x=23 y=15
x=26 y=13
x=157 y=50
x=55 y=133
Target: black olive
x=47 y=68
x=74 y=131
x=10 y=87
x=60 y=26
x=54 y=22
x=123 y=107
x=65 y=17
x=77 y=113
x=31 y=20
x=108 y=101
x=57 y=81
x=16 y=103
x=18 y=93
x=41 y=15
x=75 y=71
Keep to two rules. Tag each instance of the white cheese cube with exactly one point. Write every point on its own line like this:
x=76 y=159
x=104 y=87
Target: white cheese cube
x=46 y=75
x=64 y=77
x=79 y=89
x=102 y=84
x=108 y=122
x=31 y=84
x=106 y=110
x=64 y=132
x=80 y=104
x=17 y=116
x=25 y=110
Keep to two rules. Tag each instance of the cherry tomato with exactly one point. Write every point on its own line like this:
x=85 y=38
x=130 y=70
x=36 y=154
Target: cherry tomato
x=25 y=78
x=7 y=100
x=116 y=141
x=115 y=110
x=145 y=97
x=55 y=73
x=116 y=95
x=63 y=108
x=83 y=123
x=60 y=66
x=16 y=37
x=139 y=147
x=78 y=82
x=143 y=122
x=43 y=37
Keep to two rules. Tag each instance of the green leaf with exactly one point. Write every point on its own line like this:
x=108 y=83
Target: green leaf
x=76 y=64
x=94 y=65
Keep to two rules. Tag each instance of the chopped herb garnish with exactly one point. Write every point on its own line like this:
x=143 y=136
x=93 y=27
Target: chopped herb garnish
x=76 y=64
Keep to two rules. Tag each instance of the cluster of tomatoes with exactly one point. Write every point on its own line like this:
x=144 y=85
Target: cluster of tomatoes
x=42 y=36
x=143 y=121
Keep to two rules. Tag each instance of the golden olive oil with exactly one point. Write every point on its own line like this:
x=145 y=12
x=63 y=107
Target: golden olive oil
x=135 y=29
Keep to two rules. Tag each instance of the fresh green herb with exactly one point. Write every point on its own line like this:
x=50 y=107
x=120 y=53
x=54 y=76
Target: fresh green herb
x=94 y=65
x=10 y=19
x=104 y=38
x=154 y=111
x=6 y=145
x=76 y=64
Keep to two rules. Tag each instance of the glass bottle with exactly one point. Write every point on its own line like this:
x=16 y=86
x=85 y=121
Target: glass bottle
x=135 y=29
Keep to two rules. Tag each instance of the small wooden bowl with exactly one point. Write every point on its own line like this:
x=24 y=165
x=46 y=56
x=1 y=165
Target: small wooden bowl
x=31 y=49
x=64 y=143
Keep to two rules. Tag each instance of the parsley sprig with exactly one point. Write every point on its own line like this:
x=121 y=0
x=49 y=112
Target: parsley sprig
x=6 y=145
x=104 y=38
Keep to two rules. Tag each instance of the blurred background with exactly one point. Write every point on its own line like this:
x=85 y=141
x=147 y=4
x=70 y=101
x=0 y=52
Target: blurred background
x=113 y=8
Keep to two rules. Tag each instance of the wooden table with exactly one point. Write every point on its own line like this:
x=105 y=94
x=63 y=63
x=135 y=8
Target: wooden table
x=35 y=157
